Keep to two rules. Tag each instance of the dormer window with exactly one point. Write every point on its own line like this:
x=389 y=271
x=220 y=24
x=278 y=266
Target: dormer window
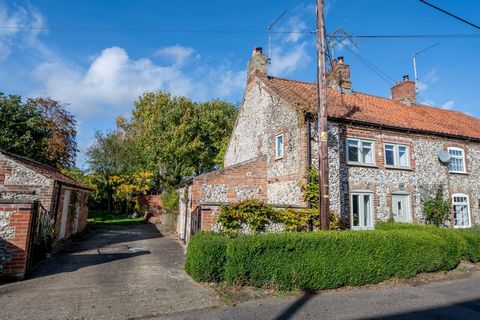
x=457 y=161
x=279 y=147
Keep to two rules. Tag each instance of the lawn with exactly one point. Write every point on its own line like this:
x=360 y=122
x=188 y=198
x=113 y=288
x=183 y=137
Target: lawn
x=106 y=217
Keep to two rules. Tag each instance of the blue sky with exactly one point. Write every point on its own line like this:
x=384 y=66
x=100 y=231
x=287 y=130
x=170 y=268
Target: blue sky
x=100 y=73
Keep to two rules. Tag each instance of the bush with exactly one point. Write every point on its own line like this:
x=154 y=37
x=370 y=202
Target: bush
x=170 y=199
x=206 y=257
x=312 y=261
x=252 y=213
x=437 y=209
x=322 y=260
x=469 y=245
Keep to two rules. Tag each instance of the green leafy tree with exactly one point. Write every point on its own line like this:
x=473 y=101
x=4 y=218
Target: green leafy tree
x=176 y=137
x=23 y=129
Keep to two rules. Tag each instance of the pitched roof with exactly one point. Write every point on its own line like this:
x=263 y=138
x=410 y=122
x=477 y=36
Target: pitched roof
x=369 y=109
x=44 y=170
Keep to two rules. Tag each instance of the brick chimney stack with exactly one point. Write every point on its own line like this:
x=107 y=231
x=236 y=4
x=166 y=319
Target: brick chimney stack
x=404 y=91
x=339 y=76
x=258 y=62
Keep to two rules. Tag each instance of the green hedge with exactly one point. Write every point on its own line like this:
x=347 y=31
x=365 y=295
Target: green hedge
x=470 y=248
x=321 y=260
x=206 y=257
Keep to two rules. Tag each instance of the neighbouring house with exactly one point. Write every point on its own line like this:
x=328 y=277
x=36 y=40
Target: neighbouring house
x=383 y=153
x=34 y=199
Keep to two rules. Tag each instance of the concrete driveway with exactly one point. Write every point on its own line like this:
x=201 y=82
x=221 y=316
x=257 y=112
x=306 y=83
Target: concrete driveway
x=120 y=272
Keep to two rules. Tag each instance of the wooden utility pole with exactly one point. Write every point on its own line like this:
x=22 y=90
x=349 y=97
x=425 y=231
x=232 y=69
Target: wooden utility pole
x=322 y=118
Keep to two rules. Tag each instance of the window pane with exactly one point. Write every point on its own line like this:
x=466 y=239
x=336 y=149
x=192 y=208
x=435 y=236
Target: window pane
x=389 y=155
x=355 y=213
x=366 y=210
x=279 y=146
x=367 y=152
x=460 y=211
x=352 y=150
x=403 y=156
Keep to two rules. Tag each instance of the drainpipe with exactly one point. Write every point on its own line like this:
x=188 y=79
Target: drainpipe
x=185 y=223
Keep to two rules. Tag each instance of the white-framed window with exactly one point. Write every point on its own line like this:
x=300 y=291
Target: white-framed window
x=360 y=151
x=396 y=155
x=457 y=160
x=361 y=210
x=461 y=210
x=279 y=146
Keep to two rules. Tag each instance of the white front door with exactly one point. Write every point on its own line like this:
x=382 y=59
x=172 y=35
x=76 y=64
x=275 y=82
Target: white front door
x=66 y=202
x=401 y=208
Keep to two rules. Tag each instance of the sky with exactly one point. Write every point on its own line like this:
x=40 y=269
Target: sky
x=100 y=56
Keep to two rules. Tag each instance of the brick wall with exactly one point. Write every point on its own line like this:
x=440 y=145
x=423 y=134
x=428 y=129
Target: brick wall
x=15 y=222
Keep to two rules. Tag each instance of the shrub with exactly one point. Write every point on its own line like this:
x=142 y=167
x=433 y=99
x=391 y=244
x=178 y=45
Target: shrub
x=170 y=199
x=322 y=260
x=437 y=209
x=206 y=256
x=472 y=250
x=253 y=213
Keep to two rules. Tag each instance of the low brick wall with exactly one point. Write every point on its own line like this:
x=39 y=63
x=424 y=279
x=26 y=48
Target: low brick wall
x=15 y=225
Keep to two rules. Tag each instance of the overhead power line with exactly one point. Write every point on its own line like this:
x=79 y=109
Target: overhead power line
x=450 y=14
x=226 y=31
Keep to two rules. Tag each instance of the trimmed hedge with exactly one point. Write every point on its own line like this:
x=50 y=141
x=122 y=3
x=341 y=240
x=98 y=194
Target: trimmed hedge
x=322 y=260
x=206 y=257
x=470 y=248
x=325 y=260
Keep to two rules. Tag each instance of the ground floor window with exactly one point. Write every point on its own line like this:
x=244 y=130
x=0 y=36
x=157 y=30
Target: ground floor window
x=361 y=204
x=461 y=210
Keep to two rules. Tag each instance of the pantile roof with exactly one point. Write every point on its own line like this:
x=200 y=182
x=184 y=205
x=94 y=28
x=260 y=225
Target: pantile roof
x=369 y=109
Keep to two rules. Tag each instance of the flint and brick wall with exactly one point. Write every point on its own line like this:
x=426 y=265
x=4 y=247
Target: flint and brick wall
x=15 y=222
x=425 y=174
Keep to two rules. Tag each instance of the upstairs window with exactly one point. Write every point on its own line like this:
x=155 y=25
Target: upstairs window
x=396 y=155
x=360 y=151
x=457 y=161
x=461 y=210
x=279 y=146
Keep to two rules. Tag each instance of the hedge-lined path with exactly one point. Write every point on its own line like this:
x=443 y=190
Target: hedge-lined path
x=118 y=273
x=454 y=299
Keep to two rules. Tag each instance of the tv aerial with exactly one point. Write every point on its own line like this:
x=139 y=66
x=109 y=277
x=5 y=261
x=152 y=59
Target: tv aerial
x=270 y=27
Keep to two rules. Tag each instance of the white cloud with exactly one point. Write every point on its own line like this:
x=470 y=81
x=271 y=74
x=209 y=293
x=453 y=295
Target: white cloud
x=448 y=105
x=176 y=54
x=288 y=60
x=113 y=81
x=24 y=27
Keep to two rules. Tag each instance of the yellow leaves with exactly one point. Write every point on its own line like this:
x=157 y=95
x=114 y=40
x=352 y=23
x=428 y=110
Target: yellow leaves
x=127 y=186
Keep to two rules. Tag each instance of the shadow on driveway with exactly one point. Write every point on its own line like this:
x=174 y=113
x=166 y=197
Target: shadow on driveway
x=105 y=244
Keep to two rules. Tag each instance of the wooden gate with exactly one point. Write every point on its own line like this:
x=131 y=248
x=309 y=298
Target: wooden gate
x=39 y=238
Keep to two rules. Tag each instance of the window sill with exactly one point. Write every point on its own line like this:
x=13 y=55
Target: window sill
x=355 y=164
x=278 y=158
x=457 y=172
x=398 y=168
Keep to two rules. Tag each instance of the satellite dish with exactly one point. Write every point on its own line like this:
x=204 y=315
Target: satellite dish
x=444 y=156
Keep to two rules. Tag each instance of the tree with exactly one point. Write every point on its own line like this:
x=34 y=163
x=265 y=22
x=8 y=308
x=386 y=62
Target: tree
x=176 y=137
x=23 y=129
x=61 y=149
x=109 y=155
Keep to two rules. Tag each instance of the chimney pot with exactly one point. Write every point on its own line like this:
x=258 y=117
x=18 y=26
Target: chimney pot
x=341 y=60
x=406 y=77
x=334 y=63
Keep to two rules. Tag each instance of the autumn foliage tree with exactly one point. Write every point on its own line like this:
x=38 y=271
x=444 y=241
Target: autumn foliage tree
x=40 y=129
